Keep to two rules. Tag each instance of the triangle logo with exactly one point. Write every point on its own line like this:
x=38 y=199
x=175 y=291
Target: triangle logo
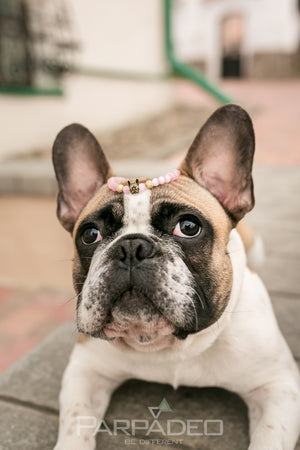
x=164 y=406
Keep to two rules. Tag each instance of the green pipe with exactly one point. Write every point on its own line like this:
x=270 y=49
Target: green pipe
x=183 y=68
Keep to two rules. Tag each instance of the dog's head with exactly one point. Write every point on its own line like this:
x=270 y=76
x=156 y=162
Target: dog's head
x=152 y=267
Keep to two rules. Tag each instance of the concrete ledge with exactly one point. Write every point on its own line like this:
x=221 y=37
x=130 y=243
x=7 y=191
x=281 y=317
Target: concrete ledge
x=35 y=378
x=27 y=177
x=23 y=428
x=34 y=176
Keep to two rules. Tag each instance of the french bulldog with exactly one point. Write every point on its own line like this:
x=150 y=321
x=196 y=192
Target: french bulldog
x=160 y=273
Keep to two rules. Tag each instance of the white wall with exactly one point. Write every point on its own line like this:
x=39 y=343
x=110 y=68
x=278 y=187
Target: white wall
x=115 y=34
x=274 y=26
x=121 y=34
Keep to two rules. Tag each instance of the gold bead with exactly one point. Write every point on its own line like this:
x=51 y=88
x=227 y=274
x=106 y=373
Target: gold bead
x=120 y=188
x=149 y=184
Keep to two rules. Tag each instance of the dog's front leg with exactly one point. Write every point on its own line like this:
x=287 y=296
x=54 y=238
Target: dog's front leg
x=84 y=397
x=274 y=414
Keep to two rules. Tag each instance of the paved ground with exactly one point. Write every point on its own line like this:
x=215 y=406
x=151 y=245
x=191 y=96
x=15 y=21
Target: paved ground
x=36 y=285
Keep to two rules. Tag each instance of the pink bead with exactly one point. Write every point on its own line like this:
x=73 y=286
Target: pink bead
x=155 y=182
x=110 y=184
x=142 y=187
x=167 y=178
x=177 y=173
x=113 y=182
x=126 y=190
x=161 y=180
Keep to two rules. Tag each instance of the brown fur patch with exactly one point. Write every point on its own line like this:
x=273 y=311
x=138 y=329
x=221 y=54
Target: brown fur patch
x=82 y=339
x=103 y=195
x=247 y=234
x=187 y=192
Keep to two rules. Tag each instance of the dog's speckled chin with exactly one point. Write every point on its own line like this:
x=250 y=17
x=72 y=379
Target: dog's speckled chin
x=132 y=318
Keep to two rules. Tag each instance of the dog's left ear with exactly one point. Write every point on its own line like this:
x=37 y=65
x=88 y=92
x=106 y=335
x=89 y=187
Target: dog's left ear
x=80 y=167
x=220 y=159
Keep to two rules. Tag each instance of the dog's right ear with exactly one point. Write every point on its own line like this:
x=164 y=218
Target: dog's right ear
x=221 y=157
x=80 y=168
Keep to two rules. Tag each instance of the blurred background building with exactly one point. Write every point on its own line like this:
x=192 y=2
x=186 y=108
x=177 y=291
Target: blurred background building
x=103 y=62
x=239 y=38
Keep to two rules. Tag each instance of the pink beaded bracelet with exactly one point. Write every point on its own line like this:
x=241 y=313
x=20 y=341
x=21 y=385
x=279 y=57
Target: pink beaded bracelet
x=120 y=185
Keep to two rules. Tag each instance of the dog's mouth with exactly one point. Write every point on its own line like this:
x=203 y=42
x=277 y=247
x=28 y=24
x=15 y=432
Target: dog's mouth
x=136 y=321
x=144 y=319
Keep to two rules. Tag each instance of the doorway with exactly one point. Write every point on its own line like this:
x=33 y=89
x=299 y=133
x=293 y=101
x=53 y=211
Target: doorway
x=232 y=33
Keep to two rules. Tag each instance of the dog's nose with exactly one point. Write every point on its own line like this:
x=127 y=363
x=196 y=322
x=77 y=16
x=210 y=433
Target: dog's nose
x=132 y=250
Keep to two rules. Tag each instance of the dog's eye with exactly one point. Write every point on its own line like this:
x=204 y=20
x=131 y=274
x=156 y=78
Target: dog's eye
x=91 y=236
x=188 y=227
